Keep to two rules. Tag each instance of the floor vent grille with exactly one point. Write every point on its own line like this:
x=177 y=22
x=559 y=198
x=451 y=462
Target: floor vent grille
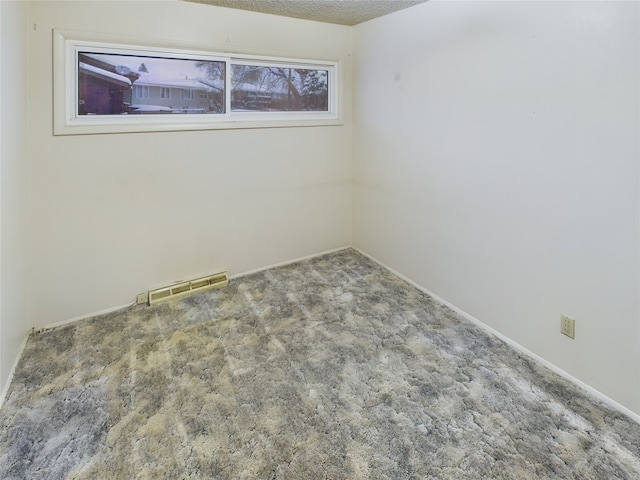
x=182 y=289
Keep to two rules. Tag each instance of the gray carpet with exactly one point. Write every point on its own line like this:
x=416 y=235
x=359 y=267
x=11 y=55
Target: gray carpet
x=331 y=368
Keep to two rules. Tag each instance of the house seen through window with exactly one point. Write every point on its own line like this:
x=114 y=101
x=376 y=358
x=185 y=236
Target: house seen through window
x=118 y=84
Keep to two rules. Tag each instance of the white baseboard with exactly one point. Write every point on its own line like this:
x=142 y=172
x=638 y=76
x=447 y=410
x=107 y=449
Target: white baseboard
x=82 y=317
x=113 y=309
x=596 y=393
x=289 y=262
x=5 y=387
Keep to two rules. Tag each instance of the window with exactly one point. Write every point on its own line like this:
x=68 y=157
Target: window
x=278 y=88
x=105 y=81
x=142 y=91
x=107 y=87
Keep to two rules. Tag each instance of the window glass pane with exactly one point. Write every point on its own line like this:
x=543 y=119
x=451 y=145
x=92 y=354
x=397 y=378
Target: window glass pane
x=142 y=91
x=113 y=84
x=278 y=89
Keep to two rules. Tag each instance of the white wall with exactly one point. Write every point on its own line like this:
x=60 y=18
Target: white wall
x=13 y=185
x=497 y=165
x=113 y=215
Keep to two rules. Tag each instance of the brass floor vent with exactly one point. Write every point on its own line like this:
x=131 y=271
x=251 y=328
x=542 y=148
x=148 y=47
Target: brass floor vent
x=182 y=289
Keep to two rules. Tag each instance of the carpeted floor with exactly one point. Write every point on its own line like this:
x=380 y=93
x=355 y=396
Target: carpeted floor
x=331 y=368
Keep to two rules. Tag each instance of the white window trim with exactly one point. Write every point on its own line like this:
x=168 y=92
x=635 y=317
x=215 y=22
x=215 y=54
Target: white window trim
x=142 y=91
x=68 y=122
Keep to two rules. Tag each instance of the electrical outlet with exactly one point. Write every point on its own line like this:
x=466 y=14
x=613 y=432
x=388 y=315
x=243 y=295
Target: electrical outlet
x=142 y=298
x=567 y=326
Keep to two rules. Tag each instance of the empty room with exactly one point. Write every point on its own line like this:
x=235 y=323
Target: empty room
x=300 y=239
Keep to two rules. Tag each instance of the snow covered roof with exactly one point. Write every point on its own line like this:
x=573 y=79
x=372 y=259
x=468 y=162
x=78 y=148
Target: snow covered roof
x=272 y=89
x=105 y=74
x=179 y=81
x=163 y=72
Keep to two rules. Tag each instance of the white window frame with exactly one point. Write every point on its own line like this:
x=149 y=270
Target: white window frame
x=165 y=92
x=142 y=91
x=67 y=121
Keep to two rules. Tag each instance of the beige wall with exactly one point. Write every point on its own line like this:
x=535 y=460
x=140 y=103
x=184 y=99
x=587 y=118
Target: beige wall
x=113 y=215
x=497 y=164
x=14 y=288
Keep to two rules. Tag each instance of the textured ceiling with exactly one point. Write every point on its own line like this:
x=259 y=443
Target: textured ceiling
x=343 y=12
